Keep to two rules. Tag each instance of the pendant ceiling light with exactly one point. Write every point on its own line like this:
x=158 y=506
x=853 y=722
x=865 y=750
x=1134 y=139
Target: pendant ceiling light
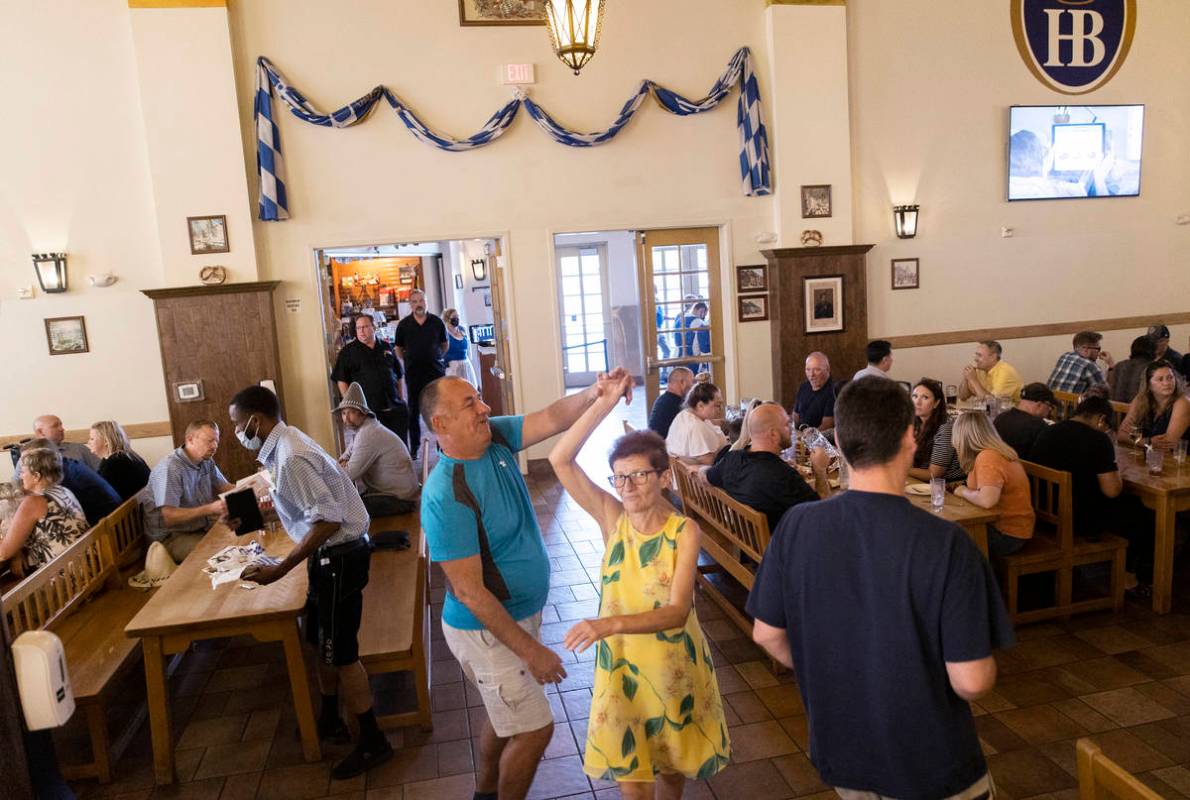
x=574 y=30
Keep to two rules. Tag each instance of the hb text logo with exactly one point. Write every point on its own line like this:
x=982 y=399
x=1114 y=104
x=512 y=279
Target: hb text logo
x=1074 y=46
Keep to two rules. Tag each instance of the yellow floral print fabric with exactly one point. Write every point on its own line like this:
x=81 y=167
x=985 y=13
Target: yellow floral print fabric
x=656 y=705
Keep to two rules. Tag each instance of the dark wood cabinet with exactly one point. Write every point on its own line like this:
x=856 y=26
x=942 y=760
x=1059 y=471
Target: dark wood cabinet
x=846 y=348
x=225 y=338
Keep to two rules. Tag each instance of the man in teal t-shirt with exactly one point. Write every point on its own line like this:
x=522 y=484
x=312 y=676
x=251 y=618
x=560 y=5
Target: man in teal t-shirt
x=480 y=527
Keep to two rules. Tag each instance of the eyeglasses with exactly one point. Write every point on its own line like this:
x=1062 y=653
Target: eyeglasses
x=639 y=478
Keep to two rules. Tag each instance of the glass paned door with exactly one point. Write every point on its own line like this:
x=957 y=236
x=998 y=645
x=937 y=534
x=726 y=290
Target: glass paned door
x=582 y=285
x=683 y=314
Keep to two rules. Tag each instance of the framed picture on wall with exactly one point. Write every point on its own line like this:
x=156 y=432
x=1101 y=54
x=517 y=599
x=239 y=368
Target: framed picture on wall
x=458 y=281
x=816 y=201
x=752 y=278
x=501 y=12
x=66 y=335
x=905 y=273
x=208 y=235
x=823 y=297
x=753 y=308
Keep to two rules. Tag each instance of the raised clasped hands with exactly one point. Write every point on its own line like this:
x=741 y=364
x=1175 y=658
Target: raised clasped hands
x=611 y=386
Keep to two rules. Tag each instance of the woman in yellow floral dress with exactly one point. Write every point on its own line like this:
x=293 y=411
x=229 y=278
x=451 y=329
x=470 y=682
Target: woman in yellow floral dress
x=656 y=715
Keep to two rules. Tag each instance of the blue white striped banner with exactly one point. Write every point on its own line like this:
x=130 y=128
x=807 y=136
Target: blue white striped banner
x=273 y=203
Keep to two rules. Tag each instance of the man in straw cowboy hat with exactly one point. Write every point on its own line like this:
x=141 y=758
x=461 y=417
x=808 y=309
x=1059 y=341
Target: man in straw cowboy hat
x=376 y=459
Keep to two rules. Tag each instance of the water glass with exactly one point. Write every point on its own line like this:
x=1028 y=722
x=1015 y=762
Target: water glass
x=1154 y=459
x=1179 y=452
x=937 y=493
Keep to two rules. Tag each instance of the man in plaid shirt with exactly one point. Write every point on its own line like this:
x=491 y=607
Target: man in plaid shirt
x=1078 y=371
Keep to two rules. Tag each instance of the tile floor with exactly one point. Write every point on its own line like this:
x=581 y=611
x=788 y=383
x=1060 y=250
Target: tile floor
x=1123 y=679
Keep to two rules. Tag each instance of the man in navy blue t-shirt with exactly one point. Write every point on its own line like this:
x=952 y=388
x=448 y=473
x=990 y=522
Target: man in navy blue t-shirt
x=888 y=614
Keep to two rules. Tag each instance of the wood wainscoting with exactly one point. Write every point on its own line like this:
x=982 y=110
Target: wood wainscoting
x=1035 y=331
x=135 y=430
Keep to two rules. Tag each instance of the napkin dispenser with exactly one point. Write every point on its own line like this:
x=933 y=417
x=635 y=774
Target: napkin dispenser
x=42 y=680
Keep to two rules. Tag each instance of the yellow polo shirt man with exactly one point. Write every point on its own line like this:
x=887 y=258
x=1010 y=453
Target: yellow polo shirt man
x=989 y=375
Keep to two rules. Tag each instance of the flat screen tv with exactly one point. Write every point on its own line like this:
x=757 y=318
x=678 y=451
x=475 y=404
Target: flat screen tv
x=1063 y=152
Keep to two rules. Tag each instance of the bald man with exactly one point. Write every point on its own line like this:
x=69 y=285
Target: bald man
x=815 y=403
x=669 y=403
x=48 y=426
x=759 y=478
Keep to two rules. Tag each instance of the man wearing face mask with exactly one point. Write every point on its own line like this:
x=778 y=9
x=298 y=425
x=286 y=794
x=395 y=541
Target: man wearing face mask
x=322 y=512
x=421 y=344
x=182 y=495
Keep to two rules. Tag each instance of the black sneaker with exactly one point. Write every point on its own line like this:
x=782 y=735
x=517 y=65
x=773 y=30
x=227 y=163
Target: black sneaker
x=335 y=732
x=363 y=758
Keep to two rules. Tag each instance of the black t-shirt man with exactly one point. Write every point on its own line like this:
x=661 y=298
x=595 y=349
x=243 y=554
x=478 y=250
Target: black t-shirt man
x=812 y=405
x=422 y=343
x=665 y=408
x=876 y=597
x=376 y=369
x=1020 y=430
x=1085 y=453
x=762 y=481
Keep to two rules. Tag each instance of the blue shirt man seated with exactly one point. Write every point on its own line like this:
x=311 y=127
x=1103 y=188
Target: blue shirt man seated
x=480 y=526
x=815 y=404
x=889 y=614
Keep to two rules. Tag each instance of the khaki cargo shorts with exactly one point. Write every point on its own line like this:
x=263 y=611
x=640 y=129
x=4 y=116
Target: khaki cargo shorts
x=514 y=700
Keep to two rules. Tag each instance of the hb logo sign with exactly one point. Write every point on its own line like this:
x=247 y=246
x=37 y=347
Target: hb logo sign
x=1074 y=46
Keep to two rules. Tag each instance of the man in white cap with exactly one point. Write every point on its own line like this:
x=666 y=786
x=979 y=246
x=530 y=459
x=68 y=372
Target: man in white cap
x=377 y=460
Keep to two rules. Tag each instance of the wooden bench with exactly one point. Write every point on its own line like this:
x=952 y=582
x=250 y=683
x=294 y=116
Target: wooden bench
x=394 y=633
x=82 y=597
x=730 y=531
x=1055 y=548
x=1100 y=778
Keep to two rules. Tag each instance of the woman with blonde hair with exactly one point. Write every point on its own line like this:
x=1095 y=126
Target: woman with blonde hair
x=458 y=361
x=995 y=481
x=126 y=471
x=49 y=518
x=656 y=715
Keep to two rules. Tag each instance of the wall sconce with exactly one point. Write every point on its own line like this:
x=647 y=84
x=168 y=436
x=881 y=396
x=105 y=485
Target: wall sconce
x=51 y=271
x=905 y=221
x=479 y=269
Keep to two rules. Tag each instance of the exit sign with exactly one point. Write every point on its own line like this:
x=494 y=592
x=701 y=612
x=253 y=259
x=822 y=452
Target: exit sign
x=517 y=73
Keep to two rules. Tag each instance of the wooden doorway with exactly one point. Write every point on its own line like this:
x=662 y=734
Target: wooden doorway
x=682 y=313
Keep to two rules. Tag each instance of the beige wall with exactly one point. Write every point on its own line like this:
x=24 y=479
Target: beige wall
x=931 y=87
x=74 y=177
x=375 y=183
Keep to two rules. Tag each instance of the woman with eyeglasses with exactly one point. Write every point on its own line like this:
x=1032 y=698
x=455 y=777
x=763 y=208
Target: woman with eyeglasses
x=656 y=715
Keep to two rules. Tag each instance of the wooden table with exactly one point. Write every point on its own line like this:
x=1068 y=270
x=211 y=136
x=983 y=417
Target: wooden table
x=186 y=609
x=1167 y=494
x=973 y=518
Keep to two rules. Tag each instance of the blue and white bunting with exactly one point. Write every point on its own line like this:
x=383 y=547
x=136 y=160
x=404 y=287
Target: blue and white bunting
x=273 y=202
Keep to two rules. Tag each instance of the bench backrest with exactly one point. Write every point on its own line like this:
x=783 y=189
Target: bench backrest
x=1052 y=497
x=44 y=598
x=126 y=531
x=742 y=525
x=429 y=456
x=1100 y=778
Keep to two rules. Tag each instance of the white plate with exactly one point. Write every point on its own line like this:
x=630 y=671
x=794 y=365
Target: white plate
x=922 y=489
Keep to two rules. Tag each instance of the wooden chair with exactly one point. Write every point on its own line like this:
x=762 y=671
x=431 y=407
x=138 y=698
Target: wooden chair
x=1055 y=548
x=81 y=596
x=1119 y=412
x=730 y=531
x=1064 y=405
x=1100 y=778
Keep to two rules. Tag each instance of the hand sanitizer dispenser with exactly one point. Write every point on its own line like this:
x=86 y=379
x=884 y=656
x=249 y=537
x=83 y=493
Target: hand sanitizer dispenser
x=42 y=680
